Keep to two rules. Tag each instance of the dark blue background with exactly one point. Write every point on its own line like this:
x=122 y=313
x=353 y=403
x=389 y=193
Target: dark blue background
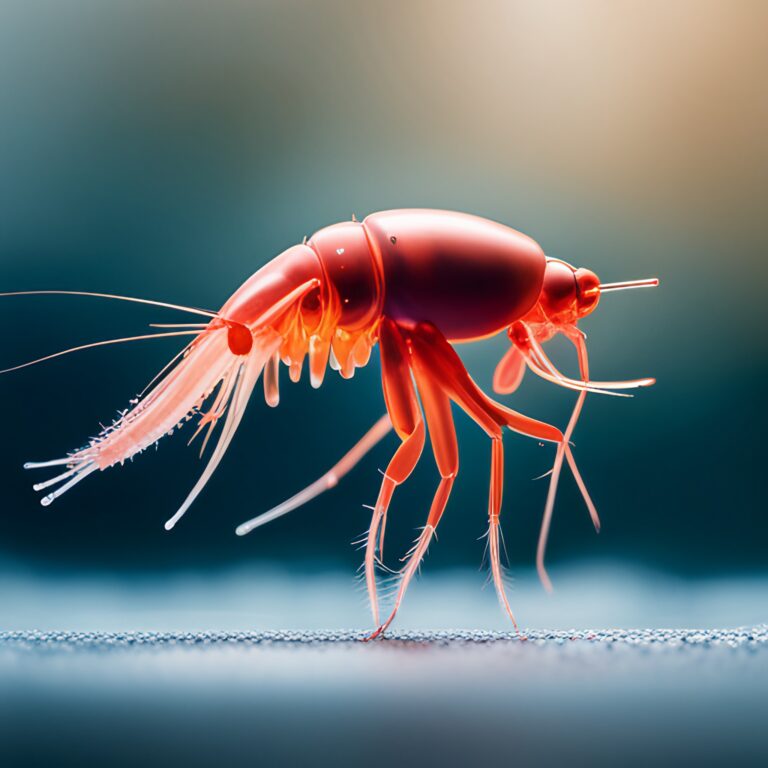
x=169 y=150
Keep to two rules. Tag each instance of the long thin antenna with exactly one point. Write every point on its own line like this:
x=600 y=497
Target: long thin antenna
x=193 y=310
x=99 y=344
x=650 y=282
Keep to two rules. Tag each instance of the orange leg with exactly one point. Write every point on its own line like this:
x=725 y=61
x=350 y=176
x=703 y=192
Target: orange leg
x=440 y=357
x=509 y=372
x=437 y=409
x=430 y=346
x=494 y=510
x=474 y=401
x=405 y=414
x=485 y=419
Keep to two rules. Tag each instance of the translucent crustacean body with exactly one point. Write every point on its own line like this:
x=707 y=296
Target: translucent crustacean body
x=413 y=281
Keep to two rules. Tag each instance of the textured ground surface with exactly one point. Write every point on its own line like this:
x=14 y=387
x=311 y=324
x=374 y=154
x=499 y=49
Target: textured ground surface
x=324 y=698
x=212 y=694
x=751 y=638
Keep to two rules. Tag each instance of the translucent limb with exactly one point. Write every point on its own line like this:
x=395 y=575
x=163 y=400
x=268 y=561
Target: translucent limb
x=405 y=414
x=540 y=359
x=246 y=378
x=319 y=351
x=509 y=372
x=272 y=381
x=416 y=555
x=166 y=367
x=562 y=381
x=218 y=407
x=430 y=346
x=483 y=411
x=494 y=511
x=207 y=362
x=79 y=471
x=441 y=358
x=329 y=480
x=564 y=450
x=442 y=433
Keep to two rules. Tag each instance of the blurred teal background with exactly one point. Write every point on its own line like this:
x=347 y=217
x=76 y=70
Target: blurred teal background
x=169 y=149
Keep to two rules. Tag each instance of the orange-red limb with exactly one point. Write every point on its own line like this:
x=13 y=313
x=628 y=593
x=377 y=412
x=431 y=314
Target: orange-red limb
x=494 y=512
x=490 y=417
x=509 y=372
x=405 y=414
x=443 y=359
x=437 y=411
x=441 y=375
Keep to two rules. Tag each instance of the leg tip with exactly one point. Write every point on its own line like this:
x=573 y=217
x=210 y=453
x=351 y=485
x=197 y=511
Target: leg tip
x=546 y=582
x=378 y=632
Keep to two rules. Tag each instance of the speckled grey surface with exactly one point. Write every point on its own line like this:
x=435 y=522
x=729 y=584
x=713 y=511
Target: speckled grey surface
x=205 y=678
x=751 y=638
x=454 y=698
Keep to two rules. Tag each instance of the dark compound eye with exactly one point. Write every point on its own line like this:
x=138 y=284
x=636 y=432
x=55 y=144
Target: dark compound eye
x=393 y=239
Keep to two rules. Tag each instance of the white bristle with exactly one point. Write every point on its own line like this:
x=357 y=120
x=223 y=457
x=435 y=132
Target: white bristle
x=82 y=473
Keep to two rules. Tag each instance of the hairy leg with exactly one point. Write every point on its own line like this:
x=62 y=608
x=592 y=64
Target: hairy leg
x=494 y=511
x=430 y=346
x=405 y=415
x=437 y=409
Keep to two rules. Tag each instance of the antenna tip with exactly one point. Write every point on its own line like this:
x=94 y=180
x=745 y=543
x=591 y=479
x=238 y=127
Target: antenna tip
x=650 y=282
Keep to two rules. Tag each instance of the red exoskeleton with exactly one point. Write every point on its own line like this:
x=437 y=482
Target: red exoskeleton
x=413 y=281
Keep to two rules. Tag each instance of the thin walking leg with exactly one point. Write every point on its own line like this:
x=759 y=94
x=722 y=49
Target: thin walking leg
x=329 y=480
x=564 y=450
x=494 y=511
x=437 y=409
x=405 y=414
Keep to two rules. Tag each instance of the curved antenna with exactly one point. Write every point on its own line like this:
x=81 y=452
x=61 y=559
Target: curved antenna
x=99 y=344
x=180 y=307
x=650 y=282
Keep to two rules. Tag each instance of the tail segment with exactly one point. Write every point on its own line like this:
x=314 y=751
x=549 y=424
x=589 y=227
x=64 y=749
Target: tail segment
x=282 y=312
x=207 y=366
